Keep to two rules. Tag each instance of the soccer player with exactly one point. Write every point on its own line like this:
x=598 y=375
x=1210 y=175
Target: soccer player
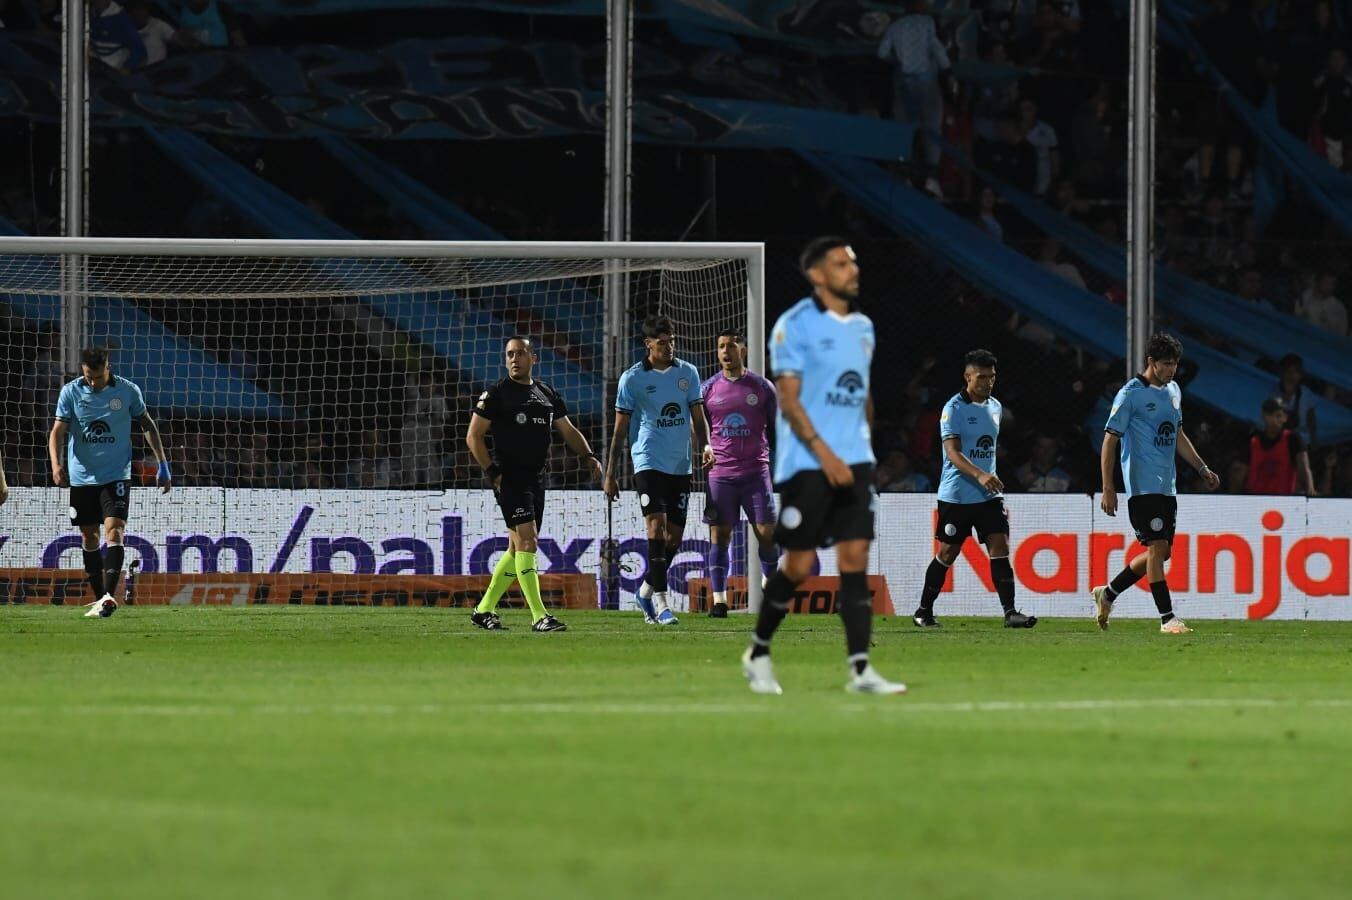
x=656 y=405
x=740 y=406
x=821 y=351
x=94 y=458
x=522 y=414
x=1147 y=421
x=971 y=495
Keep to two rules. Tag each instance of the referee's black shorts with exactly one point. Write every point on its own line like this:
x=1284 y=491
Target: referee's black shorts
x=90 y=504
x=814 y=514
x=521 y=497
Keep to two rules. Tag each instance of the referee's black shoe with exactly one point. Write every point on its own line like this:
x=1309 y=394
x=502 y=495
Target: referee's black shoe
x=548 y=623
x=1016 y=619
x=718 y=611
x=924 y=618
x=488 y=621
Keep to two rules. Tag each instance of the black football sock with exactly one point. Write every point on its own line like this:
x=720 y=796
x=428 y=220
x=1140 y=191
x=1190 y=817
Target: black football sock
x=934 y=583
x=856 y=612
x=1003 y=576
x=657 y=566
x=1163 y=602
x=112 y=567
x=1125 y=579
x=774 y=607
x=93 y=563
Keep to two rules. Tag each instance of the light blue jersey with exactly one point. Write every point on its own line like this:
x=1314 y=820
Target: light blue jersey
x=977 y=427
x=832 y=355
x=1147 y=419
x=99 y=442
x=659 y=404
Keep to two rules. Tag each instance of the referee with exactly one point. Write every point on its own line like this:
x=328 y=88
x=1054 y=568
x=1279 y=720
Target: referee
x=522 y=415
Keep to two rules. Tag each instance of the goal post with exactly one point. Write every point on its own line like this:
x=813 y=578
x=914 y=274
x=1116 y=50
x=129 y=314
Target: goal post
x=284 y=370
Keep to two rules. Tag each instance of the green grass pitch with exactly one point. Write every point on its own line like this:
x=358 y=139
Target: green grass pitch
x=359 y=753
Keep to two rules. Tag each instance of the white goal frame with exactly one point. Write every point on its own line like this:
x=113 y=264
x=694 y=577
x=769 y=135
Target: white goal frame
x=73 y=252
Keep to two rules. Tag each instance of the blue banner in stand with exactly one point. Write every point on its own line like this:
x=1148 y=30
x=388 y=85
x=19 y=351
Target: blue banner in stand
x=467 y=88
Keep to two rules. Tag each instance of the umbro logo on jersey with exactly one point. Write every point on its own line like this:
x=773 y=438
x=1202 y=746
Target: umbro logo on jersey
x=971 y=420
x=827 y=343
x=1164 y=435
x=1150 y=407
x=652 y=388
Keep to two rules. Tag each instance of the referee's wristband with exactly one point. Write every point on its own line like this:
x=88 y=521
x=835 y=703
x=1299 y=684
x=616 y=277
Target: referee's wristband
x=493 y=471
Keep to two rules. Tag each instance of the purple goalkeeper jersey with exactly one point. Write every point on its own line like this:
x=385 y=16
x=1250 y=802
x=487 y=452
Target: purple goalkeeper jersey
x=741 y=414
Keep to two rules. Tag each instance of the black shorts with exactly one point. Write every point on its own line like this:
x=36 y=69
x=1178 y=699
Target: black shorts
x=956 y=520
x=1153 y=516
x=662 y=492
x=90 y=504
x=521 y=498
x=818 y=515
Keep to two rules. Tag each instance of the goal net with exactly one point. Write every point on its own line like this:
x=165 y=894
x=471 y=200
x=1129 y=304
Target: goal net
x=313 y=398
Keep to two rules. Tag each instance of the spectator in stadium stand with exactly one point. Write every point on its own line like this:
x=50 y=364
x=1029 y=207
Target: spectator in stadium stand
x=371 y=466
x=986 y=217
x=912 y=45
x=1319 y=307
x=113 y=39
x=1095 y=145
x=254 y=471
x=426 y=419
x=1335 y=479
x=1333 y=102
x=157 y=34
x=897 y=475
x=1296 y=398
x=1042 y=473
x=209 y=24
x=1010 y=157
x=1051 y=259
x=1042 y=138
x=1279 y=462
x=1249 y=288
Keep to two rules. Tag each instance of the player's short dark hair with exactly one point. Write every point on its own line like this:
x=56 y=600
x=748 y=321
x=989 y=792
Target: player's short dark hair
x=1164 y=346
x=1271 y=405
x=94 y=357
x=734 y=334
x=816 y=250
x=657 y=325
x=521 y=337
x=982 y=359
x=1291 y=359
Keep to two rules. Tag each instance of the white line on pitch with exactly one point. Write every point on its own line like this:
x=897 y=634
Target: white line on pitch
x=893 y=705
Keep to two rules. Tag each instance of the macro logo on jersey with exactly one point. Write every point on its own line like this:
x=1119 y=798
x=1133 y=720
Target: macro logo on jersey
x=671 y=416
x=735 y=426
x=984 y=449
x=1164 y=435
x=98 y=432
x=849 y=390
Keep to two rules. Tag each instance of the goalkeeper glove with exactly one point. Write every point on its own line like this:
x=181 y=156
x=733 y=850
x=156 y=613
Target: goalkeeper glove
x=163 y=477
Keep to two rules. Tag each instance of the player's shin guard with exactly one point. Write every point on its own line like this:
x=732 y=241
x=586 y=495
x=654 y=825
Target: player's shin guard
x=113 y=558
x=504 y=573
x=1163 y=602
x=856 y=612
x=93 y=564
x=530 y=584
x=716 y=562
x=934 y=583
x=1003 y=576
x=774 y=607
x=656 y=576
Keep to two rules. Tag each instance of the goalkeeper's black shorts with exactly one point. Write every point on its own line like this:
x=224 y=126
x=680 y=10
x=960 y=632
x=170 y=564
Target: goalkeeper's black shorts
x=521 y=498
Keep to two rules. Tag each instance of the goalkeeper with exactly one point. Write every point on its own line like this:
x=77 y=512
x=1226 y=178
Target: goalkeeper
x=522 y=415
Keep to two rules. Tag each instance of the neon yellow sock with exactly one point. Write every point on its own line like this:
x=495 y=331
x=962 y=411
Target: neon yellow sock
x=504 y=573
x=530 y=585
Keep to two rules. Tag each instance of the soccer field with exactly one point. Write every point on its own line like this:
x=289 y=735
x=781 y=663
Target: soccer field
x=295 y=753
